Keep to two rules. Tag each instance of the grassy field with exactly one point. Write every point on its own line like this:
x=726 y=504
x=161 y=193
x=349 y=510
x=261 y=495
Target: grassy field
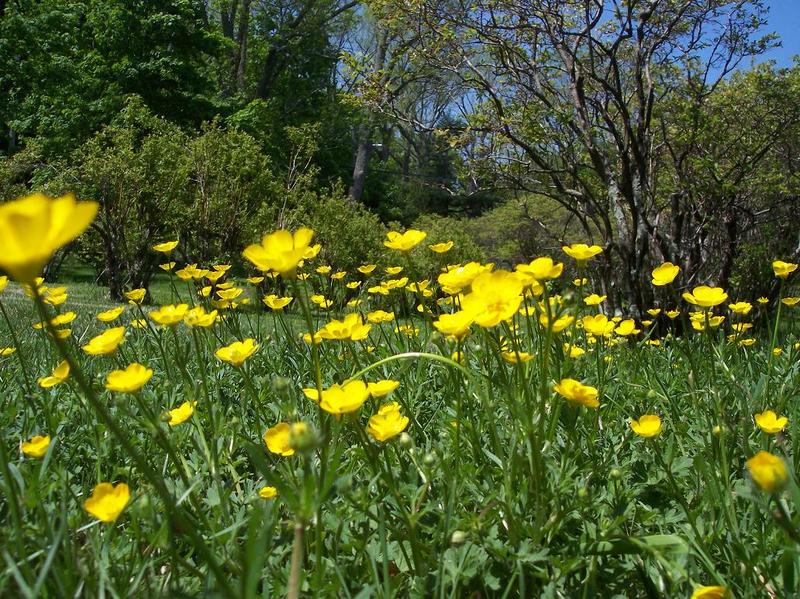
x=511 y=457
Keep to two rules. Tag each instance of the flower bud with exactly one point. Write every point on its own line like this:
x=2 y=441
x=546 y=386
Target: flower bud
x=429 y=459
x=458 y=538
x=281 y=384
x=406 y=440
x=615 y=473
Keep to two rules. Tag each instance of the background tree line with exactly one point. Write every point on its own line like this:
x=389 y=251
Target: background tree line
x=642 y=126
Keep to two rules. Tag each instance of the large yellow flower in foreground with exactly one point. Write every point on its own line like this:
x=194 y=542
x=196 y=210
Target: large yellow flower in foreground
x=783 y=269
x=577 y=392
x=768 y=471
x=36 y=447
x=495 y=297
x=129 y=380
x=281 y=251
x=340 y=399
x=59 y=375
x=105 y=343
x=33 y=228
x=456 y=324
x=706 y=297
x=665 y=274
x=647 y=426
x=107 y=501
x=582 y=253
x=460 y=277
x=769 y=422
x=237 y=352
x=404 y=242
x=387 y=423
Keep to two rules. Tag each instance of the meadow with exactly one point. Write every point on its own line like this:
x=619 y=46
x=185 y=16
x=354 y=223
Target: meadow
x=285 y=428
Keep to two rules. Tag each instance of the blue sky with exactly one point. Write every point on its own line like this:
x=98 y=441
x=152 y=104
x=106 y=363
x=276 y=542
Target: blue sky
x=784 y=19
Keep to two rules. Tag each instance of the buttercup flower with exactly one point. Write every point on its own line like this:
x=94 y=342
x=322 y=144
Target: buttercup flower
x=268 y=492
x=279 y=439
x=129 y=380
x=380 y=316
x=404 y=242
x=594 y=299
x=34 y=227
x=281 y=251
x=166 y=247
x=387 y=423
x=582 y=253
x=706 y=297
x=770 y=423
x=577 y=392
x=273 y=302
x=647 y=426
x=169 y=315
x=742 y=308
x=441 y=248
x=542 y=269
x=790 y=301
x=110 y=315
x=495 y=297
x=459 y=277
x=340 y=399
x=182 y=413
x=366 y=269
x=665 y=274
x=7 y=351
x=712 y=592
x=382 y=388
x=627 y=327
x=768 y=472
x=136 y=296
x=456 y=324
x=105 y=343
x=198 y=317
x=351 y=328
x=394 y=270
x=237 y=352
x=107 y=501
x=783 y=269
x=598 y=325
x=36 y=447
x=59 y=375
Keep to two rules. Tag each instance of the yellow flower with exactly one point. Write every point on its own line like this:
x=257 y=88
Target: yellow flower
x=559 y=324
x=382 y=388
x=495 y=297
x=512 y=357
x=34 y=227
x=740 y=307
x=198 y=317
x=647 y=426
x=770 y=423
x=214 y=276
x=182 y=413
x=55 y=296
x=768 y=472
x=129 y=380
x=169 y=315
x=366 y=269
x=783 y=269
x=580 y=282
x=441 y=248
x=594 y=299
x=110 y=315
x=105 y=343
x=654 y=312
x=340 y=399
x=36 y=447
x=407 y=330
x=190 y=271
x=664 y=274
x=3 y=283
x=166 y=247
x=582 y=253
x=790 y=301
x=59 y=375
x=353 y=284
x=706 y=297
x=598 y=325
x=577 y=392
x=394 y=270
x=279 y=438
x=268 y=492
x=107 y=501
x=274 y=302
x=746 y=342
x=672 y=314
x=281 y=251
x=627 y=327
x=7 y=351
x=387 y=423
x=167 y=266
x=230 y=294
x=712 y=592
x=136 y=296
x=542 y=269
x=323 y=270
x=57 y=321
x=339 y=275
x=460 y=277
x=572 y=351
x=404 y=242
x=255 y=280
x=380 y=316
x=139 y=323
x=763 y=300
x=321 y=301
x=456 y=324
x=237 y=352
x=351 y=328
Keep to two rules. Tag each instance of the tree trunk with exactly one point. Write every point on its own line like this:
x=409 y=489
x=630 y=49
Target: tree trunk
x=242 y=35
x=363 y=152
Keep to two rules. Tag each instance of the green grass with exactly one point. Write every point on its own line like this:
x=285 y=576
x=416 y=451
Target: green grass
x=501 y=487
